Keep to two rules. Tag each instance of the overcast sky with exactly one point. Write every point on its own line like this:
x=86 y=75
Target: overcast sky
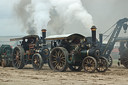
x=104 y=12
x=8 y=21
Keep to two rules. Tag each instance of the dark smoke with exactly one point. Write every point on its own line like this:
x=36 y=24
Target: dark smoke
x=23 y=12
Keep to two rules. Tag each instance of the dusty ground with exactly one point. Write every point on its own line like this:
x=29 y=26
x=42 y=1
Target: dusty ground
x=27 y=76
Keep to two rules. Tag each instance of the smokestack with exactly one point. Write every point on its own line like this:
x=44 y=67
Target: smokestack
x=101 y=38
x=44 y=36
x=93 y=29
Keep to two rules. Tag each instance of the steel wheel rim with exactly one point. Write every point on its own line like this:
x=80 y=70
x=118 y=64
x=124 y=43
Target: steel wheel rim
x=89 y=64
x=36 y=61
x=17 y=60
x=58 y=59
x=102 y=65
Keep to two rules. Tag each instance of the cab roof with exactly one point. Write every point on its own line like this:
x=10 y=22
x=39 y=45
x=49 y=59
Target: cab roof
x=25 y=37
x=64 y=36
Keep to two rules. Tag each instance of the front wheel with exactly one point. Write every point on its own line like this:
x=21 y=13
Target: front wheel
x=89 y=64
x=37 y=61
x=102 y=64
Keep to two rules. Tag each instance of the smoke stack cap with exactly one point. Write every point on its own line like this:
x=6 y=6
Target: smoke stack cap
x=43 y=30
x=93 y=28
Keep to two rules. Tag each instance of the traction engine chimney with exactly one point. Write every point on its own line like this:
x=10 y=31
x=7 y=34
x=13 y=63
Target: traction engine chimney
x=93 y=29
x=44 y=36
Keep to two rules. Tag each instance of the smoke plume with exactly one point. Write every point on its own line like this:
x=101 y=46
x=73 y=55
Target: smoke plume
x=34 y=14
x=24 y=14
x=69 y=16
x=57 y=16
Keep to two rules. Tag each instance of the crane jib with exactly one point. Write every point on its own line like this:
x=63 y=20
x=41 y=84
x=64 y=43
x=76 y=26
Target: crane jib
x=122 y=23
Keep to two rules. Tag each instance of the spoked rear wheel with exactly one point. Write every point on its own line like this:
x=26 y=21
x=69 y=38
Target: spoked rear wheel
x=37 y=61
x=57 y=59
x=102 y=64
x=18 y=57
x=89 y=64
x=75 y=68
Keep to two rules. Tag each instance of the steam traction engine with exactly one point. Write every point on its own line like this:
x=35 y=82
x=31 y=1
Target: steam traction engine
x=76 y=52
x=33 y=50
x=6 y=55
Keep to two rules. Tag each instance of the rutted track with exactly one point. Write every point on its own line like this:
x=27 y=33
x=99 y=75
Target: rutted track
x=27 y=76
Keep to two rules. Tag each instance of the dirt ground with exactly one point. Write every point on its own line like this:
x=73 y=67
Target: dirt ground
x=27 y=76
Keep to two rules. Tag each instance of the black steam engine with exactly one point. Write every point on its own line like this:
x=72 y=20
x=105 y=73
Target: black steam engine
x=32 y=50
x=76 y=52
